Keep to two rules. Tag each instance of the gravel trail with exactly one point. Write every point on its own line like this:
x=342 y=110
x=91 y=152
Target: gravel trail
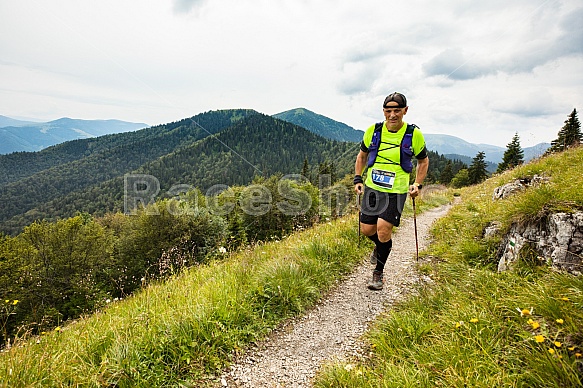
x=292 y=354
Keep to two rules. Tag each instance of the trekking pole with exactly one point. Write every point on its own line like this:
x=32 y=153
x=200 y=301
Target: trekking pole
x=358 y=218
x=415 y=226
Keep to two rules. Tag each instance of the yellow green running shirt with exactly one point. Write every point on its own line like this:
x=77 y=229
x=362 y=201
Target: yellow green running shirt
x=386 y=174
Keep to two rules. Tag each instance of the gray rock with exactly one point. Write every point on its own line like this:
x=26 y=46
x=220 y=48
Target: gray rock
x=520 y=184
x=493 y=229
x=558 y=239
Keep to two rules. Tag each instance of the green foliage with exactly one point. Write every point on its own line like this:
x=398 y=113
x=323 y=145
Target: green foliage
x=513 y=156
x=180 y=332
x=88 y=261
x=56 y=271
x=461 y=179
x=447 y=174
x=442 y=169
x=61 y=270
x=568 y=136
x=275 y=207
x=159 y=241
x=477 y=171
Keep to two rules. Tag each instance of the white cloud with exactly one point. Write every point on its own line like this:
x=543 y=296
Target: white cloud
x=471 y=69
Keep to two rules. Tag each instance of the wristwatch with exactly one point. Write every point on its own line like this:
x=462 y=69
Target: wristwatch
x=418 y=185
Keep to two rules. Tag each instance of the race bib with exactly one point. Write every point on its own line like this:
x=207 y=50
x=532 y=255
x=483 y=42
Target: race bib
x=383 y=178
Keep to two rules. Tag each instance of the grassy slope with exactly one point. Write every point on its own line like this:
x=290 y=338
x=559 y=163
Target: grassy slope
x=464 y=329
x=474 y=327
x=186 y=329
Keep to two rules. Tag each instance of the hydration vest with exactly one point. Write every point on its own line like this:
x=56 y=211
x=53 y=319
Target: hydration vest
x=406 y=153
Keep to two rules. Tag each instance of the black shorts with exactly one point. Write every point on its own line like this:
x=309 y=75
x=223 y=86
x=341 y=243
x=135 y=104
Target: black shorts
x=376 y=204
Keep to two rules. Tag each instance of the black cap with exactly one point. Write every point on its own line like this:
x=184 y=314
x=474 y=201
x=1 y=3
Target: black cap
x=399 y=98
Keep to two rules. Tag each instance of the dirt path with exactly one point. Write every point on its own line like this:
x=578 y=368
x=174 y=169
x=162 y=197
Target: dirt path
x=293 y=353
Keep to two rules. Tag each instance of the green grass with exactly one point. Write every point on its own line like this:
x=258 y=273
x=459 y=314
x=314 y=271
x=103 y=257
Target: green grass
x=185 y=330
x=474 y=327
x=471 y=327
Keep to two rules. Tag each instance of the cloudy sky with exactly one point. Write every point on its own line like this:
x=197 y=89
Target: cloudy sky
x=477 y=70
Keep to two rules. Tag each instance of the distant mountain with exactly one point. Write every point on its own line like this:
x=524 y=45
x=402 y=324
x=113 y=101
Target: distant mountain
x=442 y=144
x=321 y=125
x=447 y=145
x=222 y=147
x=10 y=122
x=17 y=135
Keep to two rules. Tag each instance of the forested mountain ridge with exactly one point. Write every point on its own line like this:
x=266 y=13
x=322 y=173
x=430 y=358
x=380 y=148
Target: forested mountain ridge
x=254 y=145
x=259 y=145
x=78 y=165
x=19 y=165
x=321 y=125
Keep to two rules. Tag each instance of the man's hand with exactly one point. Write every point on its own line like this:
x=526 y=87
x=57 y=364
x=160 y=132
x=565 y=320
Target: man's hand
x=413 y=191
x=358 y=184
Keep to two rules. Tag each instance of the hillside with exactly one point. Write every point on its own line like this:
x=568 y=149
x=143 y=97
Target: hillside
x=255 y=145
x=461 y=322
x=45 y=179
x=132 y=148
x=321 y=125
x=18 y=136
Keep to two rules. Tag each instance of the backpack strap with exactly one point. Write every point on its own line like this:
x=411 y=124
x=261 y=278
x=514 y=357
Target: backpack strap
x=406 y=152
x=406 y=149
x=375 y=144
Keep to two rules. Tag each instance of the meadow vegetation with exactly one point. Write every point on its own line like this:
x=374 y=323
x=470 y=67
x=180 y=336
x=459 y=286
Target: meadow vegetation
x=468 y=326
x=471 y=326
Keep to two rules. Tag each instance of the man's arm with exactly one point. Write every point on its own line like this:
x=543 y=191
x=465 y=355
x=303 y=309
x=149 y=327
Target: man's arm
x=359 y=168
x=421 y=173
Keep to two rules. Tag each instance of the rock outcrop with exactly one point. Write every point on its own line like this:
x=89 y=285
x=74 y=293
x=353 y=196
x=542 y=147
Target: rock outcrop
x=558 y=240
x=518 y=185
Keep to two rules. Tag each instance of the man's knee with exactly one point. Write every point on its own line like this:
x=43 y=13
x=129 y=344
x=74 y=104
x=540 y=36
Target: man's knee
x=384 y=231
x=367 y=229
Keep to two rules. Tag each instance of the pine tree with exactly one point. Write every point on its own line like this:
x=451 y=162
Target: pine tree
x=477 y=171
x=513 y=156
x=569 y=135
x=447 y=174
x=306 y=169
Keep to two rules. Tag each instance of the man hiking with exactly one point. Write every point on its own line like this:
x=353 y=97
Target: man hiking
x=387 y=149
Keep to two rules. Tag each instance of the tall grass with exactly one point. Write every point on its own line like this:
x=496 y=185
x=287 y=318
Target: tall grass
x=182 y=332
x=185 y=330
x=474 y=327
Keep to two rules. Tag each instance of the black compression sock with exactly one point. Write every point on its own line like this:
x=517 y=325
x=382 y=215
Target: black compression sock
x=383 y=251
x=375 y=239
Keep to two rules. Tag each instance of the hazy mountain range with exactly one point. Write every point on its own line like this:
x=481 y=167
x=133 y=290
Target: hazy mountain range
x=19 y=135
x=226 y=147
x=451 y=145
x=442 y=144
